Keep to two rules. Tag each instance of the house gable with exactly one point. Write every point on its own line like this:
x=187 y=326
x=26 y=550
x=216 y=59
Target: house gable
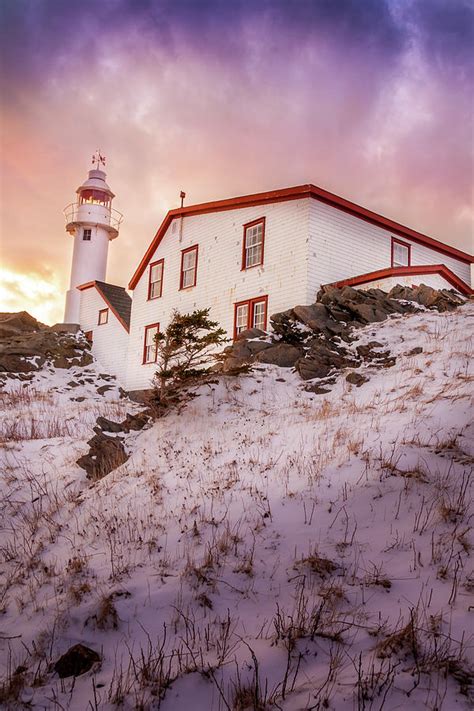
x=296 y=193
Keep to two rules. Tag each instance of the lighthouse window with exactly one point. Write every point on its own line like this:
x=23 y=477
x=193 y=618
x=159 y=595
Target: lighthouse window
x=94 y=197
x=86 y=234
x=103 y=317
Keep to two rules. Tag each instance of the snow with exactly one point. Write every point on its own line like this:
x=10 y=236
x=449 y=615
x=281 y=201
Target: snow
x=212 y=541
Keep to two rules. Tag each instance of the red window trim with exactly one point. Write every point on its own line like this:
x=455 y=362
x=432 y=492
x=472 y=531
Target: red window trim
x=405 y=244
x=89 y=336
x=261 y=220
x=183 y=252
x=147 y=328
x=251 y=303
x=153 y=264
x=103 y=311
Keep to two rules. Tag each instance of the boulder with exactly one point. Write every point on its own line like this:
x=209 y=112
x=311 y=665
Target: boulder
x=356 y=379
x=135 y=422
x=104 y=388
x=287 y=328
x=322 y=358
x=108 y=425
x=105 y=454
x=315 y=316
x=76 y=661
x=283 y=354
x=250 y=333
x=258 y=346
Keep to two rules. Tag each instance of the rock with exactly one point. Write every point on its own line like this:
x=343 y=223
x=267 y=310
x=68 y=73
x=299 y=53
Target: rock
x=135 y=422
x=315 y=316
x=287 y=328
x=108 y=425
x=317 y=389
x=105 y=455
x=17 y=323
x=76 y=661
x=366 y=351
x=104 y=388
x=258 y=346
x=310 y=368
x=65 y=328
x=240 y=349
x=415 y=351
x=283 y=354
x=368 y=313
x=323 y=357
x=356 y=379
x=250 y=333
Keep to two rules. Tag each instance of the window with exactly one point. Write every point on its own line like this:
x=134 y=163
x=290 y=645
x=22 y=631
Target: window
x=89 y=336
x=250 y=314
x=189 y=258
x=401 y=253
x=103 y=317
x=86 y=234
x=155 y=279
x=254 y=237
x=150 y=350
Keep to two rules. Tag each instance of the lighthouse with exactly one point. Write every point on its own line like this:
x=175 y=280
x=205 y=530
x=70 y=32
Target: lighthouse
x=93 y=223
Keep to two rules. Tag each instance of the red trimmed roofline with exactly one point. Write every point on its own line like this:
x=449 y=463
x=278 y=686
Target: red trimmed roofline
x=440 y=269
x=88 y=285
x=295 y=193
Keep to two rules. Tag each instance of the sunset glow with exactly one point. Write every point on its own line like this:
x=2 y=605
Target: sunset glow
x=371 y=99
x=41 y=297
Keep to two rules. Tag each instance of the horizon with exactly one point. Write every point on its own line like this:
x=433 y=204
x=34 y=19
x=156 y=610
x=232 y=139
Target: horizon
x=371 y=101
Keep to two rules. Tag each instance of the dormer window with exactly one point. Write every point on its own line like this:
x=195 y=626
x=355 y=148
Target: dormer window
x=86 y=234
x=252 y=249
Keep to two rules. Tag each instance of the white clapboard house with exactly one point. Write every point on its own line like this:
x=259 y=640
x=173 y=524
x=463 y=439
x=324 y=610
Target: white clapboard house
x=245 y=258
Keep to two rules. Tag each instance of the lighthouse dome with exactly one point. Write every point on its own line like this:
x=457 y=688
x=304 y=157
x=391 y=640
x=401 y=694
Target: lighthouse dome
x=96 y=181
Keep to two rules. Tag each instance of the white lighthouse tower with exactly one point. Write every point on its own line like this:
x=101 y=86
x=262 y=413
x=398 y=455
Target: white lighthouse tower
x=92 y=222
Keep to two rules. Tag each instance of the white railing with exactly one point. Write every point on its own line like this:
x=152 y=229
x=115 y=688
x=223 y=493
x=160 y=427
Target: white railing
x=80 y=213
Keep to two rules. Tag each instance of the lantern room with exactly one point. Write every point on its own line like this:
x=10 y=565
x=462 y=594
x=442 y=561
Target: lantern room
x=93 y=206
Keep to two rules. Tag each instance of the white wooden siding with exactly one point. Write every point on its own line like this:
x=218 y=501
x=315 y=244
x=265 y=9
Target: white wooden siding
x=220 y=281
x=343 y=246
x=436 y=281
x=110 y=341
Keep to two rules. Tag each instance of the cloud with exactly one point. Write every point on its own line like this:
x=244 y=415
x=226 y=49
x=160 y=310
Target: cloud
x=368 y=99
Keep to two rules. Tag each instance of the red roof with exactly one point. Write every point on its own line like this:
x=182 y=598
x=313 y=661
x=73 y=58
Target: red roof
x=440 y=269
x=296 y=193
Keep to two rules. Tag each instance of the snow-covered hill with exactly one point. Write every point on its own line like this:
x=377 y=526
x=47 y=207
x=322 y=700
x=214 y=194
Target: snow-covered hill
x=266 y=548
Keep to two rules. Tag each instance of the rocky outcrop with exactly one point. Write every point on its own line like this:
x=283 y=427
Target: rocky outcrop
x=107 y=452
x=26 y=345
x=12 y=324
x=314 y=339
x=441 y=300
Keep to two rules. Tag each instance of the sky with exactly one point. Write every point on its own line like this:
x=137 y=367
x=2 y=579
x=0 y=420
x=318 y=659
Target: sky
x=371 y=99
